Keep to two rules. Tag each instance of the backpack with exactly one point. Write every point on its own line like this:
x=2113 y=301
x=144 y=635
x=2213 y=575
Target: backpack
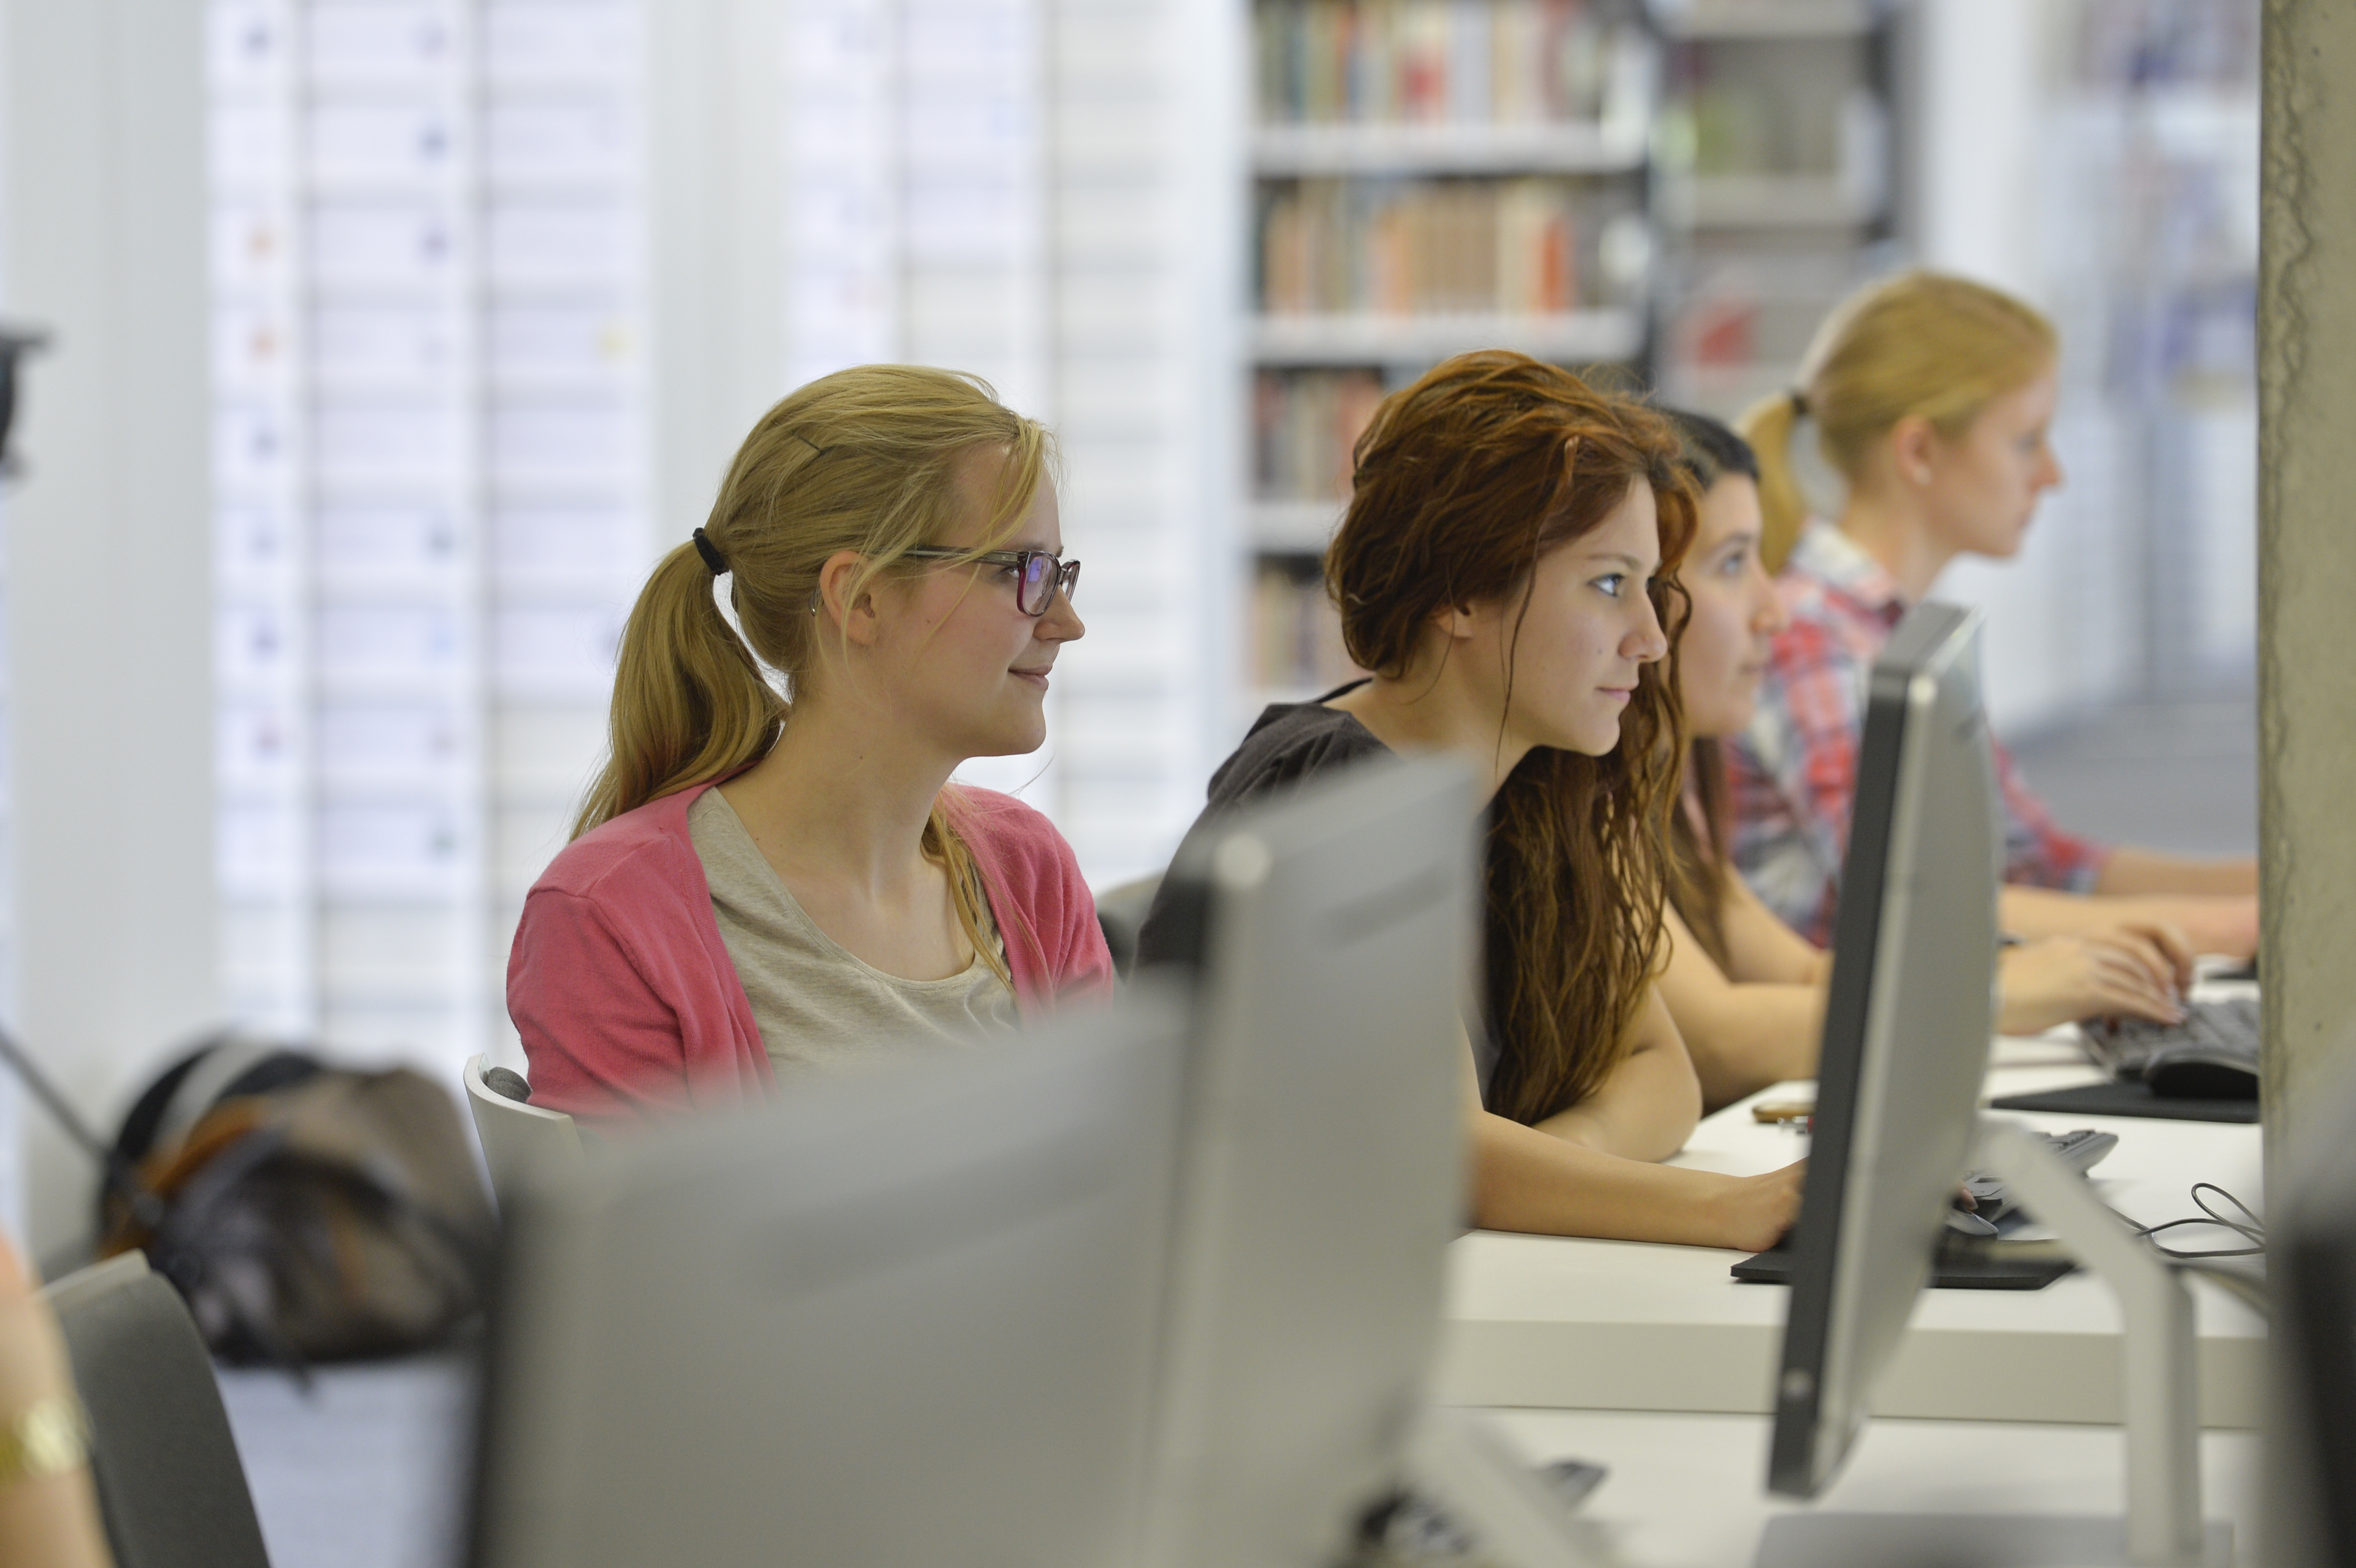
x=306 y=1212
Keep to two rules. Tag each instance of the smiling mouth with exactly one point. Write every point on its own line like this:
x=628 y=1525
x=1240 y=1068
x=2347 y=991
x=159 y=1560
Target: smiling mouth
x=1038 y=677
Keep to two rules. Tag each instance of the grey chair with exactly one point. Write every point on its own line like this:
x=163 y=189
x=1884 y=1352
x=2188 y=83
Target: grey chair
x=1120 y=913
x=170 y=1487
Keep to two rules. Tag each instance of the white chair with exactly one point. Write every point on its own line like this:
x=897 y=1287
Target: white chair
x=521 y=1140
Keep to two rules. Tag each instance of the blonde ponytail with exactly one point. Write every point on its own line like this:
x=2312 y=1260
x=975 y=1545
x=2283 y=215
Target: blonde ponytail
x=864 y=460
x=689 y=702
x=1918 y=343
x=1768 y=425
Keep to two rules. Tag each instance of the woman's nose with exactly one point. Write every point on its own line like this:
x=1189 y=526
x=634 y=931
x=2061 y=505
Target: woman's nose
x=2049 y=472
x=1646 y=641
x=1061 y=623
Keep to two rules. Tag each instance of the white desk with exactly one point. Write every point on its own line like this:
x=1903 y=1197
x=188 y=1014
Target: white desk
x=1689 y=1491
x=1546 y=1321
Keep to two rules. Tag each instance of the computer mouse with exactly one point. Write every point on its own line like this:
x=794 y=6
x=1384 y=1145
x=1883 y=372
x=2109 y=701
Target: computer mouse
x=1966 y=1223
x=2187 y=1073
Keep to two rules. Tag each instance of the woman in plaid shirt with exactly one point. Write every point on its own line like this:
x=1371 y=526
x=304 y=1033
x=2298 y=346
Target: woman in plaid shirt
x=1746 y=991
x=1932 y=396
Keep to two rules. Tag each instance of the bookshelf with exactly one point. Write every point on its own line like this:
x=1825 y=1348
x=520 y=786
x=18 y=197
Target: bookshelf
x=1779 y=152
x=1427 y=176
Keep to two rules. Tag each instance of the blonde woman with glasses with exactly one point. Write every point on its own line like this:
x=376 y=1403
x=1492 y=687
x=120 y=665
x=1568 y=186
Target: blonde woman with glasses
x=774 y=874
x=1933 y=398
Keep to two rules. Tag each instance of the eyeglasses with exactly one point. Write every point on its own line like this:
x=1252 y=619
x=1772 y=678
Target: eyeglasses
x=1038 y=574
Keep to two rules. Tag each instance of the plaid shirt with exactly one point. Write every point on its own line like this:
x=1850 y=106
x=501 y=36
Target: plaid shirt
x=1794 y=772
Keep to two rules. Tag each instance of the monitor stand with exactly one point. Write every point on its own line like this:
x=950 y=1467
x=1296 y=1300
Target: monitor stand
x=2160 y=1418
x=1462 y=1463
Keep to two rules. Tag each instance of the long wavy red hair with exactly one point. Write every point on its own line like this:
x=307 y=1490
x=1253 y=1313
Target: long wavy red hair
x=1463 y=482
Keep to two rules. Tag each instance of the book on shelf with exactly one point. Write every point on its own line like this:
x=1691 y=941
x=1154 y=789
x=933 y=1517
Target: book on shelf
x=1305 y=426
x=1296 y=649
x=1438 y=61
x=1512 y=247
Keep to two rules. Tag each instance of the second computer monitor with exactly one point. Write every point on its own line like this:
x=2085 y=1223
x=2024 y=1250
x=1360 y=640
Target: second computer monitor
x=1907 y=1024
x=908 y=1320
x=1323 y=1172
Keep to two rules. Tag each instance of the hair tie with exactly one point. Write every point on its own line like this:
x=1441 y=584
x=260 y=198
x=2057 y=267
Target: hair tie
x=709 y=552
x=1799 y=400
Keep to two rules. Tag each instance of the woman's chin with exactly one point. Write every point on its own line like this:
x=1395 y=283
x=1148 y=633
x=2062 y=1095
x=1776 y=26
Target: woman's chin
x=1012 y=741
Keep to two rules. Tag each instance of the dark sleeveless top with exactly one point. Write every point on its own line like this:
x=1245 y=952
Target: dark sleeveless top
x=1291 y=744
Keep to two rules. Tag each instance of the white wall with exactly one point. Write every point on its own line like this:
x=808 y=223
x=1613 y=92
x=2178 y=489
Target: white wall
x=1137 y=271
x=1107 y=306
x=1148 y=264
x=109 y=617
x=1980 y=175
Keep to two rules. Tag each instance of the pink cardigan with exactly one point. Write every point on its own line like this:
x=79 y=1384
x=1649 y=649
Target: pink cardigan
x=627 y=1000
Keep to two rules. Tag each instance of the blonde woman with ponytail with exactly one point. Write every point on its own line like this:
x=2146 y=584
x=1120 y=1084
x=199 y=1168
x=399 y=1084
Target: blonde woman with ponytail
x=1932 y=396
x=772 y=874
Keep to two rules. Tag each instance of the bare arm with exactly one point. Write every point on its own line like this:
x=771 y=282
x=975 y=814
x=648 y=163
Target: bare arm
x=1646 y=1107
x=1529 y=1181
x=1523 y=1179
x=1761 y=950
x=45 y=1521
x=2223 y=923
x=1762 y=1024
x=2132 y=873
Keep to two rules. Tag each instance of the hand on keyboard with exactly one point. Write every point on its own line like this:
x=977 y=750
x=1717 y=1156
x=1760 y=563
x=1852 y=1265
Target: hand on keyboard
x=2132 y=970
x=2226 y=1027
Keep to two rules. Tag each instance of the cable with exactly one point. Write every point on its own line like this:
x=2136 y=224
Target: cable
x=2251 y=1229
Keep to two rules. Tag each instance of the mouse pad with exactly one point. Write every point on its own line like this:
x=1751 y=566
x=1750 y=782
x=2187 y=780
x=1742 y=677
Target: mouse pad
x=2128 y=1099
x=1956 y=1268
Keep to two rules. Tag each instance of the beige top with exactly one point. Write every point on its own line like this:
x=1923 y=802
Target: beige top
x=820 y=1008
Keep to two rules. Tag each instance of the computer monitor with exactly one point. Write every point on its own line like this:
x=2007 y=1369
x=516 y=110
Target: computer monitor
x=1329 y=935
x=1906 y=1032
x=910 y=1318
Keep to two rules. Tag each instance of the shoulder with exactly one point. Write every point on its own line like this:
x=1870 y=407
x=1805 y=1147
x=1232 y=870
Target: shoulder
x=635 y=854
x=1000 y=820
x=1013 y=842
x=1293 y=742
x=1817 y=661
x=1045 y=914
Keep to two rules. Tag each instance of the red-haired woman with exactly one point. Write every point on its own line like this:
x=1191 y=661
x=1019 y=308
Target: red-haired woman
x=1504 y=571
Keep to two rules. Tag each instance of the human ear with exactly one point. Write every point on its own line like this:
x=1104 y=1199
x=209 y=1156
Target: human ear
x=855 y=618
x=1455 y=622
x=1912 y=444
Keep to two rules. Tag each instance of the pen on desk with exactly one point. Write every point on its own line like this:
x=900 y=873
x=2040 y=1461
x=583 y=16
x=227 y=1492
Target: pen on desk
x=1797 y=1113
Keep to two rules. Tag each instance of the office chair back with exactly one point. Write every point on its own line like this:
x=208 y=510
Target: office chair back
x=170 y=1487
x=519 y=1139
x=1121 y=913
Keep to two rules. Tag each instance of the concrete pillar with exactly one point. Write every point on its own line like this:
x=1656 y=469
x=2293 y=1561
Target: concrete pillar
x=2307 y=567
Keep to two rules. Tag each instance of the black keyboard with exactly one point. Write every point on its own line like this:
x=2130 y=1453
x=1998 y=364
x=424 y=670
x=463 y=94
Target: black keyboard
x=2124 y=1047
x=2080 y=1150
